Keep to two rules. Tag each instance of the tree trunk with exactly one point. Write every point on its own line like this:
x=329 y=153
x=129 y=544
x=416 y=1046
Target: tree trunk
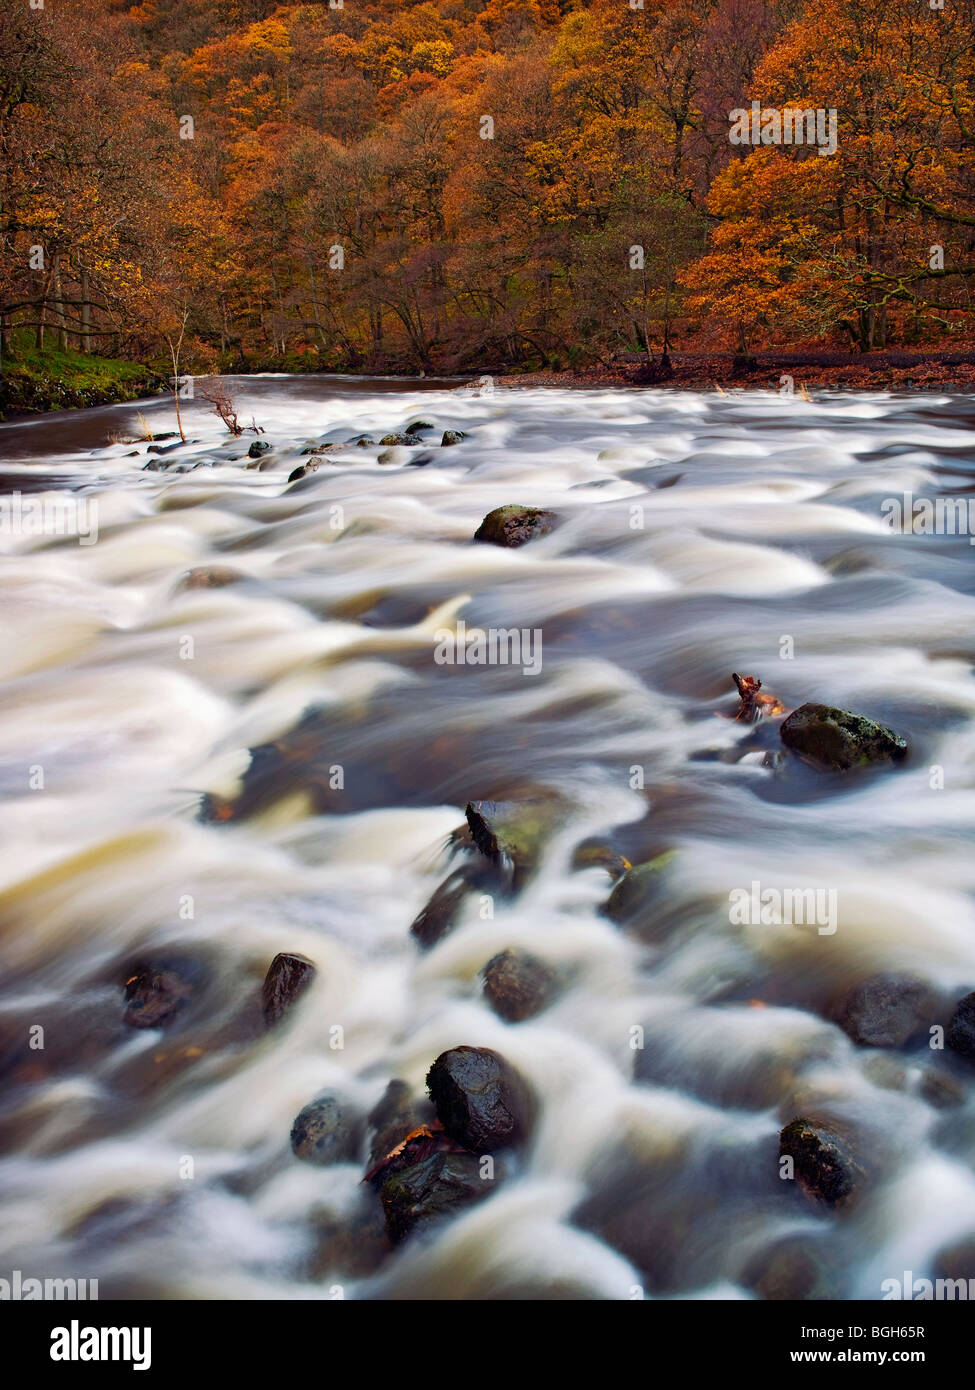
x=85 y=312
x=59 y=303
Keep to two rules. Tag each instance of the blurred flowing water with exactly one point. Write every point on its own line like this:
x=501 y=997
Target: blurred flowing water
x=700 y=535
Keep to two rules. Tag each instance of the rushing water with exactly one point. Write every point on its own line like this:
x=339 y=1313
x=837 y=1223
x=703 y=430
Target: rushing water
x=700 y=535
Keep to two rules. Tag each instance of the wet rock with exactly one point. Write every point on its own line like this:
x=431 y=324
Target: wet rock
x=319 y=449
x=884 y=1071
x=395 y=1116
x=288 y=976
x=792 y=1270
x=596 y=854
x=518 y=985
x=156 y=993
x=452 y=437
x=480 y=1100
x=257 y=448
x=824 y=1163
x=362 y=441
x=209 y=577
x=837 y=739
x=960 y=1036
x=351 y=1245
x=327 y=1130
x=436 y=1186
x=638 y=890
x=418 y=425
x=419 y=460
x=939 y=1089
x=511 y=833
x=302 y=471
x=164 y=448
x=885 y=1010
x=511 y=526
x=408 y=439
x=442 y=913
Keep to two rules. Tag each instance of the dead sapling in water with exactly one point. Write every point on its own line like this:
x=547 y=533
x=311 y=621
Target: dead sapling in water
x=217 y=395
x=753 y=705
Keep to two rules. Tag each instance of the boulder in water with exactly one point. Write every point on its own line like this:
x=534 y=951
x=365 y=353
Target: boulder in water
x=431 y=1179
x=409 y=439
x=824 y=1163
x=209 y=577
x=511 y=526
x=481 y=1101
x=441 y=913
x=885 y=1010
x=302 y=471
x=451 y=437
x=597 y=854
x=327 y=1130
x=156 y=992
x=257 y=448
x=636 y=892
x=835 y=738
x=288 y=976
x=511 y=832
x=395 y=1116
x=518 y=985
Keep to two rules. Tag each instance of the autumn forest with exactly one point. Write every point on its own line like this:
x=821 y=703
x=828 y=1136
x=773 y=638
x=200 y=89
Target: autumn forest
x=450 y=185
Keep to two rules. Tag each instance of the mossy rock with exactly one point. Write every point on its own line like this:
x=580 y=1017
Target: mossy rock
x=639 y=888
x=511 y=832
x=824 y=1163
x=437 y=1187
x=837 y=739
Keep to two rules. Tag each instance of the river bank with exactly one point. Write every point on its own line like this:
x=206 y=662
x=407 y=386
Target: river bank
x=34 y=382
x=693 y=371
x=37 y=383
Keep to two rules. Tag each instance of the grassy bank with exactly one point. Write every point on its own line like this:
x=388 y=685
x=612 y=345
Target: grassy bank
x=51 y=380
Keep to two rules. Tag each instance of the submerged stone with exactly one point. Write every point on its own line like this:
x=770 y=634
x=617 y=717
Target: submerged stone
x=209 y=577
x=638 y=889
x=886 y=1010
x=156 y=993
x=442 y=912
x=327 y=1130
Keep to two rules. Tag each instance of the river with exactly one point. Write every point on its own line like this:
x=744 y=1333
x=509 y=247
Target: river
x=699 y=535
